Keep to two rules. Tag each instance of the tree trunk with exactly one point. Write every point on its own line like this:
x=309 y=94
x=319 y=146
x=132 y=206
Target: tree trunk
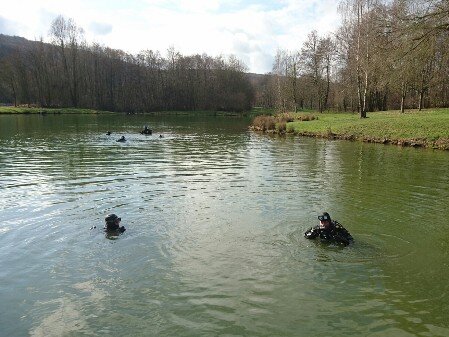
x=421 y=99
x=365 y=95
x=403 y=95
x=294 y=87
x=14 y=94
x=328 y=81
x=422 y=90
x=361 y=104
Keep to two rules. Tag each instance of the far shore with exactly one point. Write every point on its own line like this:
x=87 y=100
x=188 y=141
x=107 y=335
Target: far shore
x=5 y=110
x=427 y=128
x=35 y=110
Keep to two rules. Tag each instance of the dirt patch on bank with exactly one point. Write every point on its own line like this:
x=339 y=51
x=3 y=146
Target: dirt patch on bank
x=440 y=144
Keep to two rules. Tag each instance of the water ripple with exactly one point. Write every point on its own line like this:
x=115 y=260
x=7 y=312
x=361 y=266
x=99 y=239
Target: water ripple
x=215 y=218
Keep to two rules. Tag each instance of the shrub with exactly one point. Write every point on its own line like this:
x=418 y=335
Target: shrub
x=285 y=117
x=306 y=118
x=264 y=123
x=282 y=127
x=276 y=123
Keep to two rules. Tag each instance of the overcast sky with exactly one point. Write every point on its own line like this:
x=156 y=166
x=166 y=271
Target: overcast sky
x=252 y=29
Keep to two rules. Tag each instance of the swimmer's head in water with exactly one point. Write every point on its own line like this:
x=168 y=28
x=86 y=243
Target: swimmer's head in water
x=112 y=218
x=324 y=217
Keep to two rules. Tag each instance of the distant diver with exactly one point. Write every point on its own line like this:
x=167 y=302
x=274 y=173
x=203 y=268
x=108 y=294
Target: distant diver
x=112 y=224
x=146 y=131
x=108 y=133
x=329 y=231
x=121 y=139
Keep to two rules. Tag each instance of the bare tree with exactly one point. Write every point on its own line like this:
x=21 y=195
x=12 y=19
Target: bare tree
x=317 y=56
x=68 y=37
x=358 y=14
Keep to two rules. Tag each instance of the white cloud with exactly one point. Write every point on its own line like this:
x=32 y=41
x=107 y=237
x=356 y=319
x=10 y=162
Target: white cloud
x=6 y=26
x=99 y=28
x=252 y=30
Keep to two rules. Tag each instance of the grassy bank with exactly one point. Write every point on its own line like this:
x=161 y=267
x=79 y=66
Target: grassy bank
x=33 y=110
x=259 y=111
x=429 y=128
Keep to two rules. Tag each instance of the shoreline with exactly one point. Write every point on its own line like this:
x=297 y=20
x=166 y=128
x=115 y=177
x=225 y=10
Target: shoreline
x=425 y=129
x=10 y=110
x=440 y=144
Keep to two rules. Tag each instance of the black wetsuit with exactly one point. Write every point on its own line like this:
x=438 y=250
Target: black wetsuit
x=112 y=227
x=336 y=233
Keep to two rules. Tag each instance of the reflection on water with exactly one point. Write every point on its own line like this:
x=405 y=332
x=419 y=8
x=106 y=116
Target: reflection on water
x=214 y=245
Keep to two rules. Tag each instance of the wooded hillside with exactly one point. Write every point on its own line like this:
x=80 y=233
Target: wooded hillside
x=70 y=73
x=386 y=55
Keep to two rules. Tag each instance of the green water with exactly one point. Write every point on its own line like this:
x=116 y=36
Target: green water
x=214 y=245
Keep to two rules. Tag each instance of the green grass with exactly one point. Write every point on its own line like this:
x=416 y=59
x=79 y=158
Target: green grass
x=33 y=110
x=257 y=111
x=425 y=128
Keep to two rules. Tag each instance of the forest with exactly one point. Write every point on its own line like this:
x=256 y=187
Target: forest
x=71 y=73
x=386 y=55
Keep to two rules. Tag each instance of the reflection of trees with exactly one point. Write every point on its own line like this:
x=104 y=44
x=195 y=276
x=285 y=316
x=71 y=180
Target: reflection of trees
x=396 y=195
x=313 y=167
x=224 y=206
x=392 y=200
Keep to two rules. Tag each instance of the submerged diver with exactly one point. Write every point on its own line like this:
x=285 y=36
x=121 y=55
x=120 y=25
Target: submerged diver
x=113 y=224
x=146 y=131
x=329 y=231
x=121 y=139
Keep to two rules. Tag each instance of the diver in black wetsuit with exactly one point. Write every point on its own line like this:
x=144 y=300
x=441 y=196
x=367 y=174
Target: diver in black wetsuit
x=146 y=131
x=113 y=224
x=122 y=139
x=329 y=231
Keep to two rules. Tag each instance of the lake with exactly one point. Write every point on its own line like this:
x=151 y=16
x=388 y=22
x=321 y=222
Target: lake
x=215 y=216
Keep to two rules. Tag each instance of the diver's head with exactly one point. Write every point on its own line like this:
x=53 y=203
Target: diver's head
x=112 y=219
x=325 y=220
